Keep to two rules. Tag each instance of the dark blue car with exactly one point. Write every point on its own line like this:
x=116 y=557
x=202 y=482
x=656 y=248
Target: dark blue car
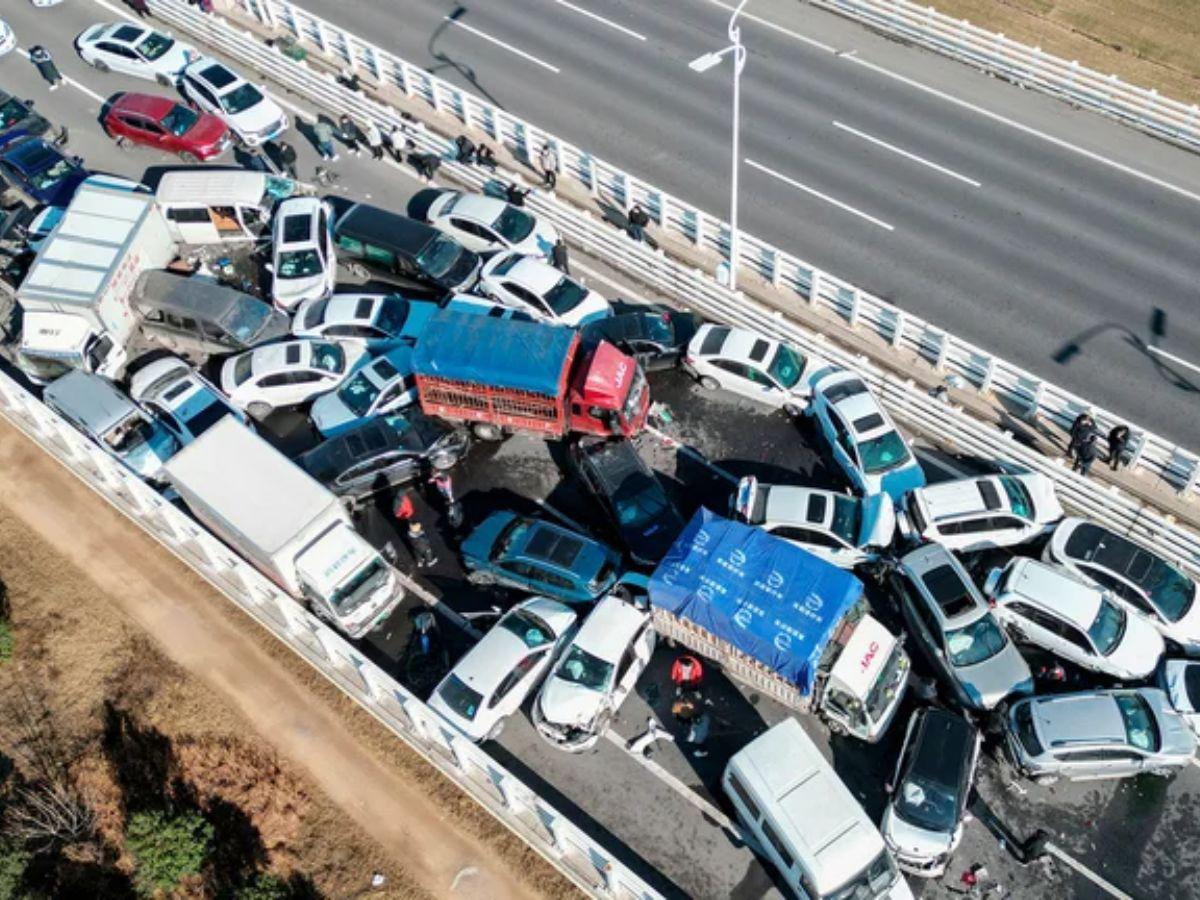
x=535 y=556
x=17 y=119
x=40 y=173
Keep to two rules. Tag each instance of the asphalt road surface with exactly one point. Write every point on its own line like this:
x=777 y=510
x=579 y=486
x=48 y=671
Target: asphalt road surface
x=665 y=815
x=1007 y=218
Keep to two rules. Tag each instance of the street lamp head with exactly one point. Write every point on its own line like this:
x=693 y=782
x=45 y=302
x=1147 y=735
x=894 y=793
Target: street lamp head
x=705 y=62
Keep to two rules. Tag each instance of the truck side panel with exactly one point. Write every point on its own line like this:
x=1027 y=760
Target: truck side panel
x=475 y=402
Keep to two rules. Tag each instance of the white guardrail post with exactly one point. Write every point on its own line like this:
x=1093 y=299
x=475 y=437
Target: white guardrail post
x=587 y=864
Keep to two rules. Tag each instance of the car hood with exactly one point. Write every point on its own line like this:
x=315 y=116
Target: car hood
x=540 y=241
x=207 y=131
x=177 y=58
x=878 y=521
x=259 y=118
x=330 y=415
x=911 y=840
x=1139 y=651
x=568 y=704
x=290 y=292
x=989 y=682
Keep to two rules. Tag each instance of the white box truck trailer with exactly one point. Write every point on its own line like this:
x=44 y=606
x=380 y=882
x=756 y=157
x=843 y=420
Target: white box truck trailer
x=286 y=524
x=77 y=295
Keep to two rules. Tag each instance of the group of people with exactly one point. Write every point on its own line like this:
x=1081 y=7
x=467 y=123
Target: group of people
x=1084 y=447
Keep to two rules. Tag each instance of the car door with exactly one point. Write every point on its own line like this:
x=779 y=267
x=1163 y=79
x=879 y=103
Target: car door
x=472 y=235
x=841 y=445
x=394 y=396
x=272 y=389
x=514 y=687
x=815 y=542
x=148 y=132
x=631 y=664
x=119 y=58
x=205 y=99
x=521 y=297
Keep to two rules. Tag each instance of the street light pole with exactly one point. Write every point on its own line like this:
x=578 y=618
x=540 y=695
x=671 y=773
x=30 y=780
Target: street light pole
x=739 y=62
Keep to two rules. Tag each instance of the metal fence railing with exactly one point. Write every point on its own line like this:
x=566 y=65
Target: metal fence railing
x=592 y=868
x=793 y=280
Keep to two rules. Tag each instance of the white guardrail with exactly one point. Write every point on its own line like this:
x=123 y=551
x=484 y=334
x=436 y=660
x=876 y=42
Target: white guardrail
x=588 y=865
x=794 y=279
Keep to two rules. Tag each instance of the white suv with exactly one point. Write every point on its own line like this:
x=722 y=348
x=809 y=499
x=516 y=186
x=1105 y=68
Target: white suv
x=976 y=513
x=252 y=116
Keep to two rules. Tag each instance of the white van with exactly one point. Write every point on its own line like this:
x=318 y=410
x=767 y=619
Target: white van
x=806 y=821
x=214 y=206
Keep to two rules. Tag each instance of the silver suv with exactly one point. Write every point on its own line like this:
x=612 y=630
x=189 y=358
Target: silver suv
x=1097 y=734
x=958 y=634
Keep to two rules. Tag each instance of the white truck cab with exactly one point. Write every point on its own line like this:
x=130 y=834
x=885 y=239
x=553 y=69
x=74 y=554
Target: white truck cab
x=866 y=682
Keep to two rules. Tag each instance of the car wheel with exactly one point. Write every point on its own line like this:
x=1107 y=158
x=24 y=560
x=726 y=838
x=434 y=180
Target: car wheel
x=259 y=411
x=189 y=158
x=443 y=460
x=486 y=431
x=101 y=66
x=164 y=80
x=709 y=383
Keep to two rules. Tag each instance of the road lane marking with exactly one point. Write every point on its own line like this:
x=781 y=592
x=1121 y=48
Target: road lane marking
x=1093 y=877
x=71 y=81
x=769 y=24
x=601 y=19
x=906 y=154
x=804 y=187
x=499 y=43
x=1173 y=358
x=1027 y=129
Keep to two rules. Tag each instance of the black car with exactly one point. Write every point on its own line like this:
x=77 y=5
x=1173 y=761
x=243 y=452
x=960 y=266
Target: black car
x=656 y=338
x=18 y=119
x=383 y=452
x=643 y=516
x=373 y=241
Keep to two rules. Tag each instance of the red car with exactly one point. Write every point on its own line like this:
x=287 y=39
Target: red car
x=161 y=122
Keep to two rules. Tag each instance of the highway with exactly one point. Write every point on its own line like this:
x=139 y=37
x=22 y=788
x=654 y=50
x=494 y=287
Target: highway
x=999 y=214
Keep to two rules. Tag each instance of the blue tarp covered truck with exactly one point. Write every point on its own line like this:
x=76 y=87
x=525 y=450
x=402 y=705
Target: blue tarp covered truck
x=781 y=620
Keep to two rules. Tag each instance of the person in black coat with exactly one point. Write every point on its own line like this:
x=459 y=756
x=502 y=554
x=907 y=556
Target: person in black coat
x=1080 y=428
x=40 y=57
x=1087 y=453
x=1118 y=443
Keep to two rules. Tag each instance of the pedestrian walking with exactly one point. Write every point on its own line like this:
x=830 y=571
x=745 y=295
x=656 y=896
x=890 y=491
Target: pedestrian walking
x=422 y=547
x=398 y=141
x=515 y=194
x=640 y=745
x=426 y=164
x=486 y=157
x=349 y=134
x=374 y=139
x=638 y=220
x=1118 y=443
x=1083 y=425
x=548 y=163
x=323 y=135
x=40 y=57
x=287 y=159
x=141 y=7
x=464 y=151
x=1087 y=453
x=558 y=257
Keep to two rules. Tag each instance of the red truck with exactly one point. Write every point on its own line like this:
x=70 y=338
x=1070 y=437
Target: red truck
x=506 y=375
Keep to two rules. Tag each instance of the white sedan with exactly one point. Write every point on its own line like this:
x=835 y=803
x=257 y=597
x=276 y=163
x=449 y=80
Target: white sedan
x=252 y=116
x=485 y=223
x=539 y=289
x=136 y=50
x=595 y=674
x=286 y=374
x=304 y=262
x=491 y=682
x=862 y=438
x=751 y=365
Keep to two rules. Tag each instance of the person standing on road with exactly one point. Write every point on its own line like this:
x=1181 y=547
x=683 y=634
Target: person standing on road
x=422 y=547
x=1083 y=425
x=464 y=150
x=426 y=164
x=40 y=57
x=1118 y=443
x=323 y=135
x=349 y=134
x=515 y=194
x=141 y=7
x=485 y=156
x=287 y=159
x=548 y=162
x=558 y=257
x=1087 y=453
x=374 y=139
x=399 y=141
x=638 y=220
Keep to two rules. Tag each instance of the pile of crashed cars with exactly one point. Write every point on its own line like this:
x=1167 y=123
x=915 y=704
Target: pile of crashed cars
x=987 y=572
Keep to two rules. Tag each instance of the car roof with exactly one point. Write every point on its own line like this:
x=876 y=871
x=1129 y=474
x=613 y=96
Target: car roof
x=281 y=356
x=124 y=32
x=810 y=507
x=610 y=627
x=1053 y=590
x=1092 y=717
x=549 y=543
x=295 y=208
x=215 y=74
x=399 y=358
x=534 y=274
x=950 y=608
x=964 y=496
x=477 y=207
x=146 y=104
x=747 y=346
x=942 y=738
x=385 y=228
x=359 y=308
x=864 y=415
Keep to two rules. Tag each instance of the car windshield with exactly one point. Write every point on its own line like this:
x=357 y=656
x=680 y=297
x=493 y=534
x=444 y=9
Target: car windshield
x=361 y=587
x=532 y=631
x=786 y=367
x=51 y=176
x=155 y=45
x=439 y=256
x=328 y=357
x=1170 y=590
x=847 y=519
x=299 y=264
x=1108 y=629
x=883 y=453
x=12 y=111
x=927 y=804
x=870 y=883
x=241 y=99
x=580 y=667
x=460 y=698
x=639 y=501
x=893 y=676
x=129 y=435
x=359 y=393
x=513 y=530
x=1140 y=728
x=179 y=120
x=392 y=315
x=241 y=368
x=245 y=320
x=974 y=643
x=1018 y=497
x=565 y=296
x=513 y=225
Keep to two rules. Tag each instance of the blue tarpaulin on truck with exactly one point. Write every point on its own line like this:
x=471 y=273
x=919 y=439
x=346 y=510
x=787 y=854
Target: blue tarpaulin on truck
x=768 y=598
x=503 y=353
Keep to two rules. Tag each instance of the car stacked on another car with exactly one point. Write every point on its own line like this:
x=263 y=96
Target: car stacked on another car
x=1097 y=734
x=39 y=173
x=536 y=287
x=1142 y=580
x=845 y=531
x=537 y=556
x=596 y=671
x=163 y=124
x=134 y=49
x=949 y=619
x=290 y=373
x=181 y=398
x=482 y=223
x=374 y=321
x=375 y=386
x=981 y=512
x=17 y=119
x=655 y=338
x=252 y=116
x=304 y=261
x=752 y=366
